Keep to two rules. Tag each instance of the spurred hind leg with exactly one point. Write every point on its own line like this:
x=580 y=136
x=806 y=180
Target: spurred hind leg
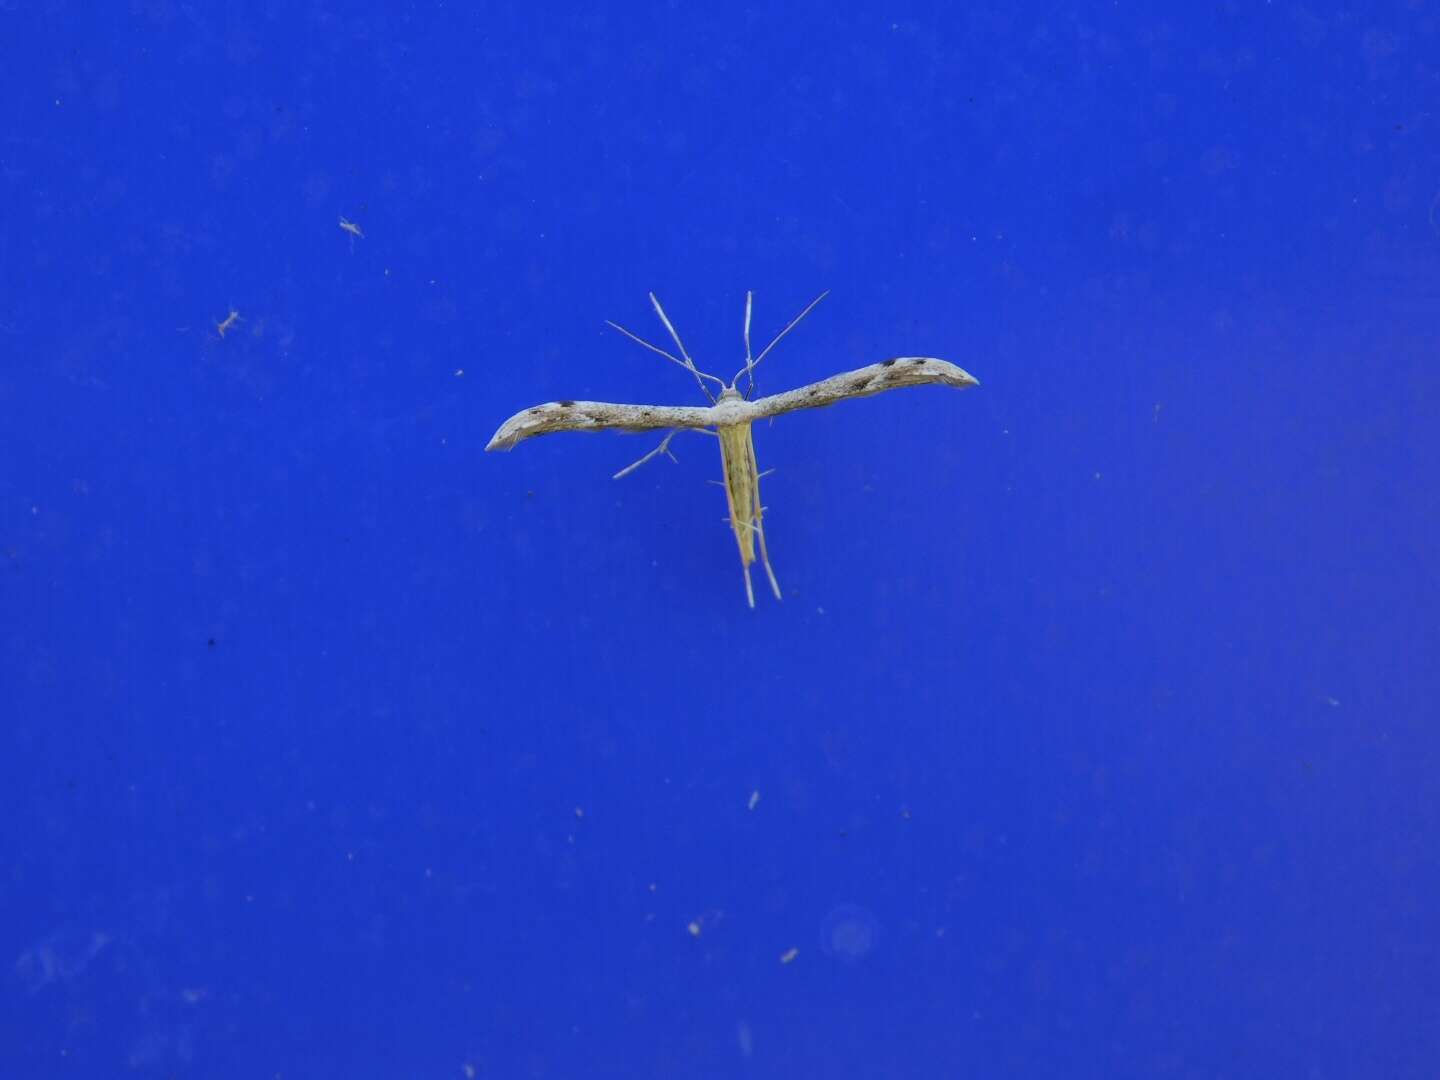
x=759 y=526
x=765 y=558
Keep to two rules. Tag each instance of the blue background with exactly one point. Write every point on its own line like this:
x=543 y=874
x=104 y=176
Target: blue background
x=1096 y=733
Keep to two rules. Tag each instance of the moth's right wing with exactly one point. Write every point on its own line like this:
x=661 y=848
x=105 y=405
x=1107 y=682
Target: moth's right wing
x=596 y=416
x=862 y=382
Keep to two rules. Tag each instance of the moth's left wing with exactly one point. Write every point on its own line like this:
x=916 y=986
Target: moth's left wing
x=596 y=416
x=862 y=382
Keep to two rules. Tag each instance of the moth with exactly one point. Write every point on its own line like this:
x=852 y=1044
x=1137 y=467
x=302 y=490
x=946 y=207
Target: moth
x=228 y=324
x=729 y=416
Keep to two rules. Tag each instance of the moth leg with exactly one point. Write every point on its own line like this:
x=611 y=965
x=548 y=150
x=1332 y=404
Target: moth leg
x=749 y=589
x=663 y=448
x=758 y=523
x=765 y=558
x=758 y=529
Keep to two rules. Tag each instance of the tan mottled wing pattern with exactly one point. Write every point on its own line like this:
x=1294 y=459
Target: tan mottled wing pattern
x=596 y=416
x=862 y=382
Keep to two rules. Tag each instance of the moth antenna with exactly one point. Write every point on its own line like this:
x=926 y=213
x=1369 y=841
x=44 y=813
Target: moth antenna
x=656 y=348
x=680 y=345
x=750 y=365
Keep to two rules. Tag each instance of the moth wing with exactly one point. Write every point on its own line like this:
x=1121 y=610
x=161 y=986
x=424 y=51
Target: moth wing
x=862 y=382
x=556 y=416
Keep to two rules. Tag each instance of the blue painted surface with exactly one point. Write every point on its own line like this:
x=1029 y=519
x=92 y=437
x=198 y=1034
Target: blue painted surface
x=1096 y=733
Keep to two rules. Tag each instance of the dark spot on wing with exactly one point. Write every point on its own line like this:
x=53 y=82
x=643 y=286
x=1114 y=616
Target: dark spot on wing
x=917 y=361
x=565 y=404
x=887 y=363
x=859 y=384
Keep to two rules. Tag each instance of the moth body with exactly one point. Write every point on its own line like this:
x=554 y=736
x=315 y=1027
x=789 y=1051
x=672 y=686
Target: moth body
x=742 y=495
